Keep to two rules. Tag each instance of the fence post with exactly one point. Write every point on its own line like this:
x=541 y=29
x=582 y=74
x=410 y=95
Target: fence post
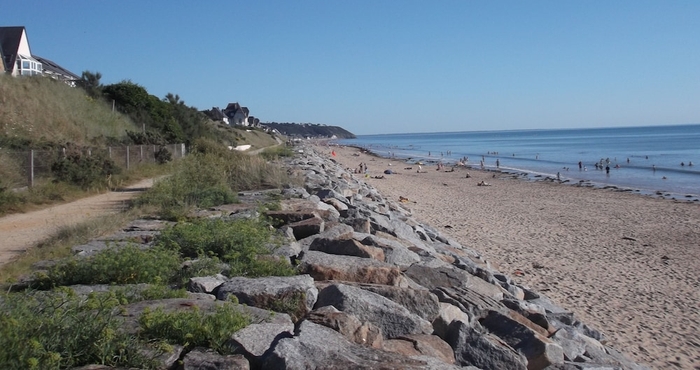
x=109 y=149
x=141 y=150
x=127 y=157
x=31 y=168
x=182 y=150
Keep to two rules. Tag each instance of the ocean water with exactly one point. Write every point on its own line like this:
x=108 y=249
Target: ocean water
x=645 y=159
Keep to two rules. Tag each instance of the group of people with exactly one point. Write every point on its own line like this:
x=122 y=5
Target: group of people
x=362 y=168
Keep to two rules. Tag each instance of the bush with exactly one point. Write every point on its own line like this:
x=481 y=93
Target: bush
x=124 y=265
x=202 y=266
x=163 y=155
x=276 y=152
x=84 y=170
x=58 y=330
x=240 y=243
x=199 y=180
x=194 y=328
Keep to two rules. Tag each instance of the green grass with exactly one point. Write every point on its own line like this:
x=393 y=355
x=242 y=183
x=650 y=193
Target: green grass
x=58 y=330
x=194 y=328
x=41 y=111
x=243 y=244
x=122 y=265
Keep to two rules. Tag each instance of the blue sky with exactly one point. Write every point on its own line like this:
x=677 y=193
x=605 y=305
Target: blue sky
x=385 y=66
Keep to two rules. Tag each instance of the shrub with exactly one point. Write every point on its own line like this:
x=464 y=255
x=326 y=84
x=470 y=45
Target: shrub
x=163 y=155
x=240 y=243
x=193 y=328
x=84 y=170
x=276 y=152
x=202 y=266
x=137 y=293
x=58 y=330
x=198 y=181
x=124 y=265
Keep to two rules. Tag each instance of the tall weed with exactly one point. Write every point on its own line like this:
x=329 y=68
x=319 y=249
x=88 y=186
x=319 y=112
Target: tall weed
x=123 y=265
x=58 y=330
x=240 y=243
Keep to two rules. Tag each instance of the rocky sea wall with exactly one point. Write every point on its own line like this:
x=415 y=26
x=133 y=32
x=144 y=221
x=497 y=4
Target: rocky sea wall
x=376 y=289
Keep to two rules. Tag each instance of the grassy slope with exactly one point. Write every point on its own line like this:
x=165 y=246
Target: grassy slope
x=40 y=111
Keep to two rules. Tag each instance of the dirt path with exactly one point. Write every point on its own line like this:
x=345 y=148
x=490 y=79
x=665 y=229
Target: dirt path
x=19 y=232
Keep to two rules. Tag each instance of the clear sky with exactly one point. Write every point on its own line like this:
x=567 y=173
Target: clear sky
x=380 y=66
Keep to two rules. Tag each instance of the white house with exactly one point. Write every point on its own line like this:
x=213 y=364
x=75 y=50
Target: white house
x=18 y=60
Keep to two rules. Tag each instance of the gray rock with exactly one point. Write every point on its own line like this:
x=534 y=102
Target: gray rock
x=538 y=349
x=421 y=345
x=395 y=253
x=318 y=347
x=255 y=339
x=205 y=284
x=323 y=266
x=433 y=278
x=266 y=292
x=418 y=301
x=204 y=359
x=447 y=314
x=347 y=247
x=394 y=319
x=483 y=350
x=349 y=326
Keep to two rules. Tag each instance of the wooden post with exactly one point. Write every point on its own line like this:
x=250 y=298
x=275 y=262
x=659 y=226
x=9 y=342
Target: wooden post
x=127 y=157
x=141 y=149
x=109 y=149
x=31 y=168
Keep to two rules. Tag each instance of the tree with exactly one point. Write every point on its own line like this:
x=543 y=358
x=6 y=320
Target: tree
x=90 y=82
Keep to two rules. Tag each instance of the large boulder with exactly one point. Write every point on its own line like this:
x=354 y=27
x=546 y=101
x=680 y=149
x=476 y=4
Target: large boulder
x=447 y=276
x=318 y=347
x=204 y=359
x=394 y=319
x=395 y=252
x=483 y=350
x=418 y=301
x=349 y=326
x=297 y=293
x=421 y=345
x=538 y=349
x=347 y=247
x=324 y=266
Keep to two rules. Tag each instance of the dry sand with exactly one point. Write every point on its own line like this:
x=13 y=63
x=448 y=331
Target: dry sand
x=625 y=264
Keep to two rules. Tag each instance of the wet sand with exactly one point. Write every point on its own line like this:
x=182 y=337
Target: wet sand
x=625 y=264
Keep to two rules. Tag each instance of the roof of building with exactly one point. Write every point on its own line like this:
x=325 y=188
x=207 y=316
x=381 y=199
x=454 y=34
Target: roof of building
x=54 y=68
x=10 y=37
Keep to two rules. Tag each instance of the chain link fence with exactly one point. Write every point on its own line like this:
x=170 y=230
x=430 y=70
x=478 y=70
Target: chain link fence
x=35 y=165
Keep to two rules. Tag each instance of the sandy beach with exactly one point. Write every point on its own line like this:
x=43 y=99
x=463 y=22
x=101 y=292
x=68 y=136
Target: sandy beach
x=625 y=264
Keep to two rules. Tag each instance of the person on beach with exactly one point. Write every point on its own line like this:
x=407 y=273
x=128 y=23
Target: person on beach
x=498 y=163
x=580 y=165
x=607 y=170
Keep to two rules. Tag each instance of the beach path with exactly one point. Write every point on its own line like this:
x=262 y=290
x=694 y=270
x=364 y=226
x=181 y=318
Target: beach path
x=21 y=231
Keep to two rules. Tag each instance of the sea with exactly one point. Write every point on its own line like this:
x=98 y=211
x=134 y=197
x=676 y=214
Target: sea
x=652 y=160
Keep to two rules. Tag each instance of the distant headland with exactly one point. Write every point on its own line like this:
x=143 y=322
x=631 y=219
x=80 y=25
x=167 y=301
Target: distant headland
x=309 y=130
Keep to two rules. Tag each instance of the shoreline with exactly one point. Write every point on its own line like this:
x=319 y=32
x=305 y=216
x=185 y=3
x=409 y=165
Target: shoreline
x=533 y=176
x=624 y=263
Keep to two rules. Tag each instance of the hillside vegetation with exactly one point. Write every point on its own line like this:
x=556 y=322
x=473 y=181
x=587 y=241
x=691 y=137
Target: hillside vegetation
x=41 y=112
x=77 y=124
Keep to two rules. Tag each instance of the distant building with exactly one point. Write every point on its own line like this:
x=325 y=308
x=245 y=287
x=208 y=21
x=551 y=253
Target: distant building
x=236 y=114
x=18 y=60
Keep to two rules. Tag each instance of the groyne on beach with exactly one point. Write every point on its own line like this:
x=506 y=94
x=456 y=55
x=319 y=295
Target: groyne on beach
x=623 y=262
